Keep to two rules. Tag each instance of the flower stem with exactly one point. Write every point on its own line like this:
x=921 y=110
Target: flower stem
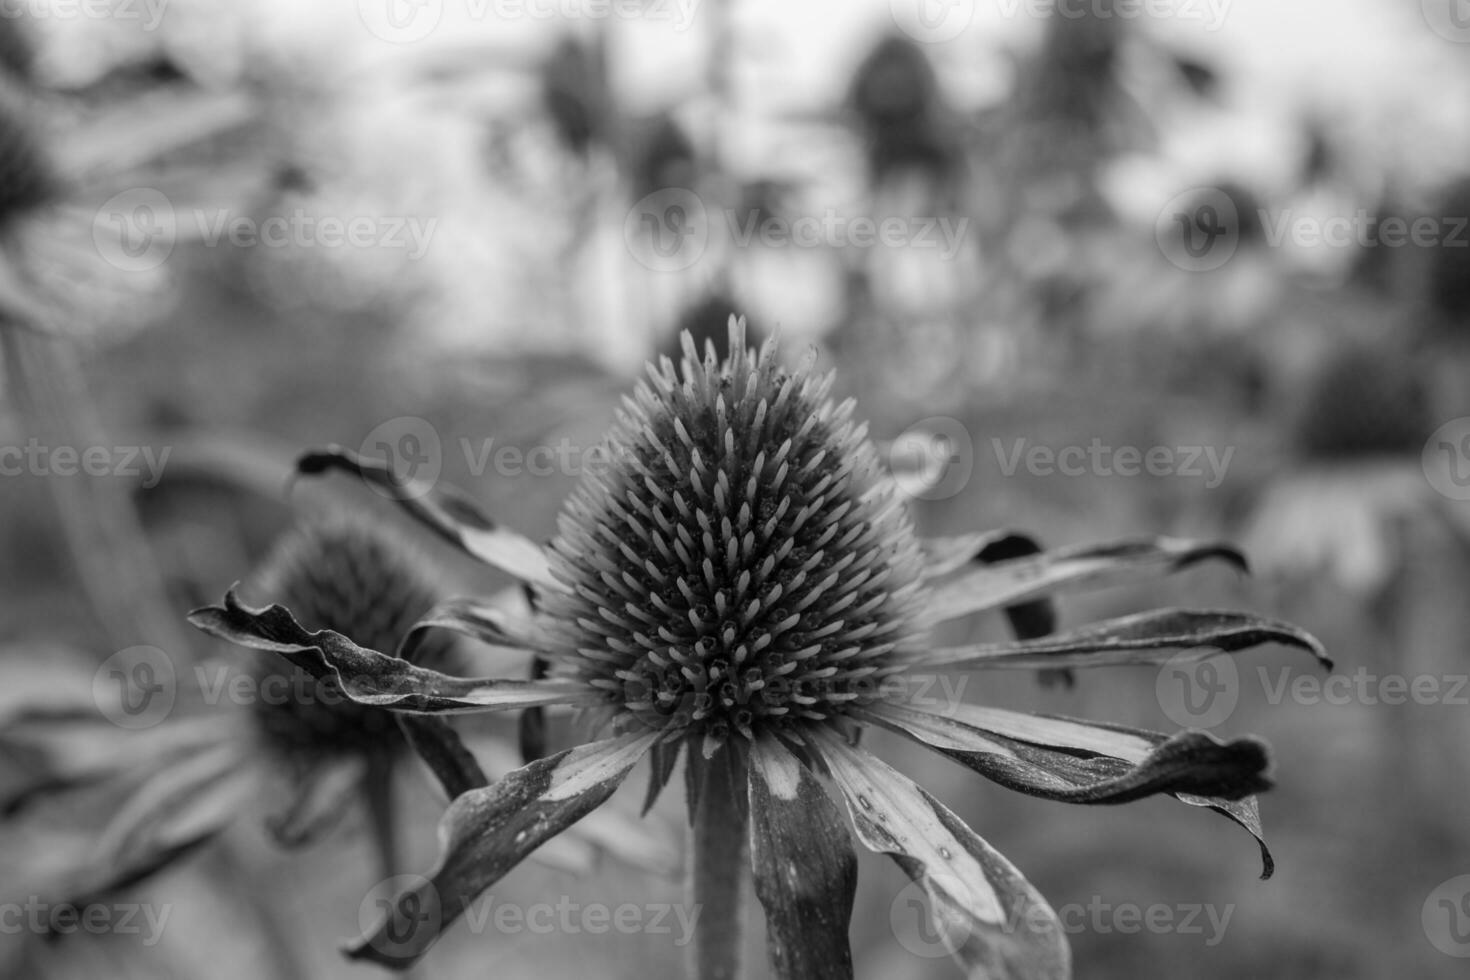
x=721 y=847
x=382 y=815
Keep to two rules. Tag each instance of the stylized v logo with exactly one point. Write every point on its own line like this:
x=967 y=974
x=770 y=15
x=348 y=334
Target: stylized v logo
x=136 y=232
x=1203 y=224
x=667 y=238
x=1459 y=916
x=933 y=13
x=403 y=917
x=136 y=691
x=1459 y=459
x=402 y=13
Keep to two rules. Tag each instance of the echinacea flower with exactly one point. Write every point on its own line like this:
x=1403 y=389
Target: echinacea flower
x=274 y=735
x=741 y=584
x=1337 y=510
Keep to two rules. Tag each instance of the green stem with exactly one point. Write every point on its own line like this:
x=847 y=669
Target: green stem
x=721 y=851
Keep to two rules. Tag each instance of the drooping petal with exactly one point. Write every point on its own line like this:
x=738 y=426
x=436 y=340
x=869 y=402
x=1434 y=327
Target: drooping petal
x=1089 y=762
x=477 y=619
x=1144 y=638
x=614 y=831
x=55 y=732
x=990 y=917
x=945 y=555
x=1109 y=769
x=441 y=749
x=805 y=869
x=180 y=806
x=44 y=678
x=531 y=725
x=1035 y=617
x=371 y=678
x=488 y=831
x=46 y=752
x=1006 y=583
x=1247 y=814
x=663 y=758
x=445 y=510
x=92 y=838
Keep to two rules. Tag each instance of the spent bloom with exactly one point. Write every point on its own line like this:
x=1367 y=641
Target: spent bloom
x=742 y=587
x=296 y=742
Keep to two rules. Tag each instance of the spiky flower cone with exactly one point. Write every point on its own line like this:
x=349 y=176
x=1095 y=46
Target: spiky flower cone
x=346 y=575
x=742 y=563
x=740 y=579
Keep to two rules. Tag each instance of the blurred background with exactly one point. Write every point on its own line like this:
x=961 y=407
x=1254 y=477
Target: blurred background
x=1094 y=268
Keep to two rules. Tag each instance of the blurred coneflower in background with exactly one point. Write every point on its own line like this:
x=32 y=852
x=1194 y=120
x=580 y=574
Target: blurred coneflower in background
x=296 y=747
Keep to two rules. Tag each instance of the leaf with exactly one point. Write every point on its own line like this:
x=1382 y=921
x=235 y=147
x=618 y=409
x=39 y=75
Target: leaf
x=1006 y=583
x=371 y=678
x=477 y=619
x=805 y=869
x=990 y=918
x=945 y=555
x=441 y=749
x=1143 y=638
x=488 y=831
x=445 y=510
x=1113 y=767
x=1076 y=753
